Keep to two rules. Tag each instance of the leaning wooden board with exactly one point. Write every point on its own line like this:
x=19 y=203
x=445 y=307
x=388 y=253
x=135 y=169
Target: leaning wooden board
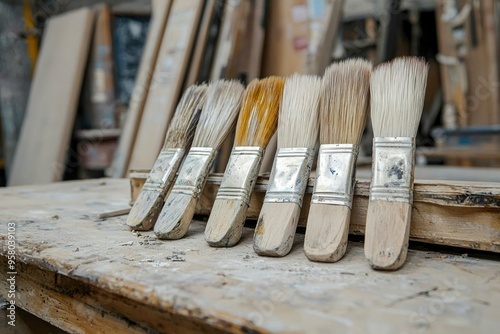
x=452 y=213
x=141 y=88
x=100 y=99
x=200 y=47
x=167 y=81
x=88 y=275
x=52 y=104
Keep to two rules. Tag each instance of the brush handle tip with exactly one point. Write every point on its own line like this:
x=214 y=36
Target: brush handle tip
x=327 y=232
x=225 y=224
x=145 y=211
x=275 y=230
x=387 y=234
x=176 y=216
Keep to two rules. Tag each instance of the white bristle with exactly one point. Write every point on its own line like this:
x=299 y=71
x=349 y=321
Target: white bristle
x=298 y=124
x=221 y=108
x=345 y=101
x=397 y=97
x=180 y=132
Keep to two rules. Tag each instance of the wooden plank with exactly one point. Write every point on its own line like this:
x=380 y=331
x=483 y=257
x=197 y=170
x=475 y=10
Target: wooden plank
x=168 y=77
x=483 y=95
x=301 y=36
x=491 y=41
x=94 y=272
x=463 y=152
x=256 y=36
x=76 y=307
x=155 y=34
x=287 y=38
x=326 y=18
x=137 y=7
x=99 y=105
x=453 y=213
x=246 y=56
x=52 y=104
x=200 y=46
x=231 y=40
x=239 y=53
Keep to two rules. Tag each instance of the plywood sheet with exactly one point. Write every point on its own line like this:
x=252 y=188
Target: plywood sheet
x=167 y=81
x=52 y=104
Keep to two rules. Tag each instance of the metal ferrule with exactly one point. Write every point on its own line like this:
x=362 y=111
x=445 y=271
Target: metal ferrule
x=241 y=172
x=392 y=169
x=289 y=176
x=194 y=171
x=335 y=174
x=164 y=169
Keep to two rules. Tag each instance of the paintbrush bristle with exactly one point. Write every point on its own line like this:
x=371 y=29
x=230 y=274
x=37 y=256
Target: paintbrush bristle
x=298 y=123
x=219 y=113
x=259 y=112
x=397 y=97
x=345 y=101
x=181 y=130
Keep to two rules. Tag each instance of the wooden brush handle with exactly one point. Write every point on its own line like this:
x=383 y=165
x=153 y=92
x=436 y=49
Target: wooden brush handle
x=327 y=231
x=276 y=228
x=225 y=225
x=386 y=234
x=176 y=216
x=180 y=205
x=148 y=205
x=144 y=213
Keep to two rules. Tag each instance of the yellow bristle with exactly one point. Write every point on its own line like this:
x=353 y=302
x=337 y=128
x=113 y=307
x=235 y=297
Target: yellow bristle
x=259 y=112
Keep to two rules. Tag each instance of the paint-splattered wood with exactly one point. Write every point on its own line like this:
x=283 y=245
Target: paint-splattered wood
x=82 y=273
x=452 y=213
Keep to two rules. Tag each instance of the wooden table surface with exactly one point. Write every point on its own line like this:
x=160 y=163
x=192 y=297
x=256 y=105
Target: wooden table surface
x=89 y=275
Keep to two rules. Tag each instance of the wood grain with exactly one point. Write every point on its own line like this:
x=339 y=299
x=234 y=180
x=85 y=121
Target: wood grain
x=175 y=217
x=226 y=221
x=453 y=213
x=141 y=88
x=386 y=234
x=46 y=132
x=149 y=203
x=168 y=77
x=83 y=273
x=65 y=302
x=231 y=40
x=327 y=232
x=275 y=230
x=483 y=96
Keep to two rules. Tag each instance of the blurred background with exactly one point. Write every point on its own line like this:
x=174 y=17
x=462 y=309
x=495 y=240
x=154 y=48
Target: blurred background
x=89 y=73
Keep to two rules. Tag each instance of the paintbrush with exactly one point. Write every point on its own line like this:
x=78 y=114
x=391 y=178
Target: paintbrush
x=257 y=123
x=179 y=136
x=216 y=121
x=298 y=128
x=343 y=110
x=397 y=97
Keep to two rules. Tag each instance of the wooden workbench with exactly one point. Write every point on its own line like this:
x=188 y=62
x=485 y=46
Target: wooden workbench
x=89 y=275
